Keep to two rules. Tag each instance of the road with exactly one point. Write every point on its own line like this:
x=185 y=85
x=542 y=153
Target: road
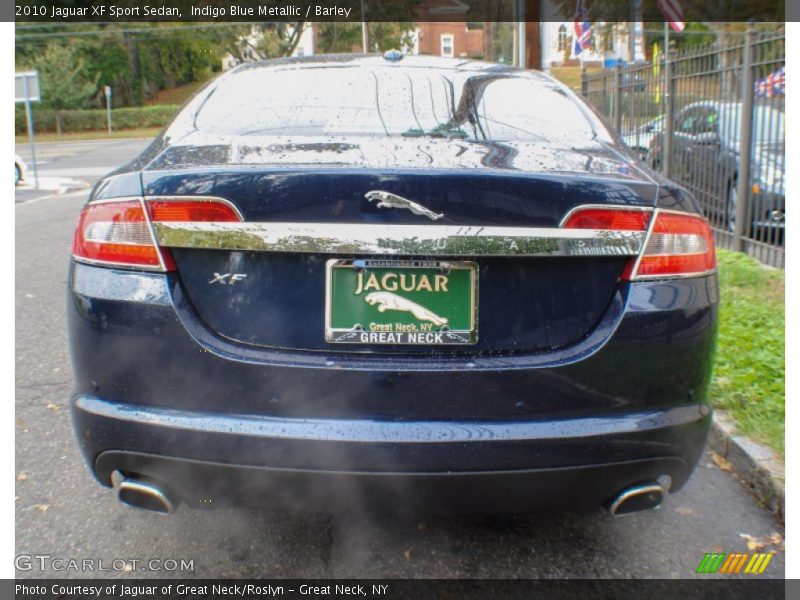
x=63 y=513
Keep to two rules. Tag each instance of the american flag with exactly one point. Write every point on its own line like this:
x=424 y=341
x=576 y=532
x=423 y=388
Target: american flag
x=673 y=13
x=773 y=84
x=583 y=29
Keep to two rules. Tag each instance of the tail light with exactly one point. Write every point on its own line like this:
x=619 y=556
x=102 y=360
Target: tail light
x=120 y=233
x=614 y=219
x=162 y=210
x=678 y=244
x=116 y=233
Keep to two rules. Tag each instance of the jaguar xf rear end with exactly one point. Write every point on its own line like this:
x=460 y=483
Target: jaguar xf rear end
x=416 y=284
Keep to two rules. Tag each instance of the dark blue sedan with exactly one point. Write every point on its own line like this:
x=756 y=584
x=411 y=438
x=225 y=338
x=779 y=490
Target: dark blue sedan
x=395 y=282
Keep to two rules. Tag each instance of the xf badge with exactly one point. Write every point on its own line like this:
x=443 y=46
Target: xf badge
x=227 y=278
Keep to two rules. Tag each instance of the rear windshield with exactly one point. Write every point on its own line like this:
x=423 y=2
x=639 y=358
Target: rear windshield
x=363 y=101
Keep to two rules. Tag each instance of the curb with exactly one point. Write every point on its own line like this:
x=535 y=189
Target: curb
x=55 y=185
x=755 y=465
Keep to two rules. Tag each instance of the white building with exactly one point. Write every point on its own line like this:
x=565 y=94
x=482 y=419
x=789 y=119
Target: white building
x=609 y=44
x=305 y=47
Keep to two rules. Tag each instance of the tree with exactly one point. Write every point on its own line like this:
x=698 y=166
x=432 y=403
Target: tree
x=64 y=81
x=383 y=36
x=136 y=59
x=346 y=37
x=280 y=39
x=338 y=37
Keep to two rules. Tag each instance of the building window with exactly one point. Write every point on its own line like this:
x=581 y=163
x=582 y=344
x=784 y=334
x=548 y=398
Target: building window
x=447 y=44
x=562 y=38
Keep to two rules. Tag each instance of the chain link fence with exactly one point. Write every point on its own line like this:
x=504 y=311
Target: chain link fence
x=718 y=129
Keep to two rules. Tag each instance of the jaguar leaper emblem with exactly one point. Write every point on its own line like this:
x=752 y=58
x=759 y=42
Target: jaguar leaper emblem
x=389 y=301
x=387 y=200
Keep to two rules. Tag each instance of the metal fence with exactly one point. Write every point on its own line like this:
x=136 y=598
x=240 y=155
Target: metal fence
x=718 y=129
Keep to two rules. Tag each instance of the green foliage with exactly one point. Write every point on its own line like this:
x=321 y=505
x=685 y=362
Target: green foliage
x=95 y=119
x=749 y=371
x=499 y=42
x=385 y=36
x=137 y=62
x=346 y=37
x=338 y=37
x=279 y=39
x=63 y=78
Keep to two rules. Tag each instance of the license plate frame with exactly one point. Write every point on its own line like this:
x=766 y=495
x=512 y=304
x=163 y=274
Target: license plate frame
x=413 y=307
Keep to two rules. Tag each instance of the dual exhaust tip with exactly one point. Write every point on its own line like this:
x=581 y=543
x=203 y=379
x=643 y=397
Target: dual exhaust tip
x=639 y=497
x=149 y=495
x=143 y=493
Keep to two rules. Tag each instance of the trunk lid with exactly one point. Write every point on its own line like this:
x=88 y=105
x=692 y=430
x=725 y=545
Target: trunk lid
x=522 y=303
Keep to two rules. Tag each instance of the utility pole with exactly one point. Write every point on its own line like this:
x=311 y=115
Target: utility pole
x=364 y=32
x=29 y=119
x=521 y=33
x=107 y=90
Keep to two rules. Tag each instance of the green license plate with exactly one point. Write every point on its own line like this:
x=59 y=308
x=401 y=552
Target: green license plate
x=427 y=303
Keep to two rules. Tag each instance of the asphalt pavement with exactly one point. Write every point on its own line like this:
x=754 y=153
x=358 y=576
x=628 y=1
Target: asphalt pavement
x=61 y=512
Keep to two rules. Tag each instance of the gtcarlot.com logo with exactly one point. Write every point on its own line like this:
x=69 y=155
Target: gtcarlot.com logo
x=47 y=562
x=733 y=564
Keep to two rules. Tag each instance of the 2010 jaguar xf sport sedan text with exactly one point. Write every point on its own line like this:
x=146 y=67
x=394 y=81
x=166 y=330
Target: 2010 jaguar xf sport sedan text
x=397 y=282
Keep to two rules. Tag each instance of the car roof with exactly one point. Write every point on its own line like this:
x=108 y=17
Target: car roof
x=408 y=61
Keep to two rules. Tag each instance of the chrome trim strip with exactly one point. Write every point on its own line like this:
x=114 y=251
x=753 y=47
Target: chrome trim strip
x=127 y=286
x=117 y=265
x=381 y=239
x=674 y=275
x=113 y=200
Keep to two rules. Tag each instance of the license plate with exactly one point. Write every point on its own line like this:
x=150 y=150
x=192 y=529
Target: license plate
x=426 y=303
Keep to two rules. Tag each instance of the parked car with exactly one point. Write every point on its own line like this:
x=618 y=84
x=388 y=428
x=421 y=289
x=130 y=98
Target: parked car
x=705 y=147
x=414 y=283
x=640 y=138
x=20 y=171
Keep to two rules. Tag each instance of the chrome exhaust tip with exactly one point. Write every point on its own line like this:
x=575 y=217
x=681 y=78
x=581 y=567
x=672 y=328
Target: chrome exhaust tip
x=636 y=498
x=147 y=495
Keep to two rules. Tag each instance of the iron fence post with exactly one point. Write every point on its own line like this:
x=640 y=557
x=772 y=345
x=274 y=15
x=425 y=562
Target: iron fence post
x=584 y=84
x=669 y=116
x=745 y=145
x=618 y=98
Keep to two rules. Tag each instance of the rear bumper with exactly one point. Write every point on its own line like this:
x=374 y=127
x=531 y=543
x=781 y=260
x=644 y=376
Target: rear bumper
x=157 y=394
x=208 y=460
x=202 y=484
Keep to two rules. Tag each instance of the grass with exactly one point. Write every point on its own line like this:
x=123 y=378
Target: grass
x=749 y=371
x=144 y=132
x=571 y=76
x=177 y=95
